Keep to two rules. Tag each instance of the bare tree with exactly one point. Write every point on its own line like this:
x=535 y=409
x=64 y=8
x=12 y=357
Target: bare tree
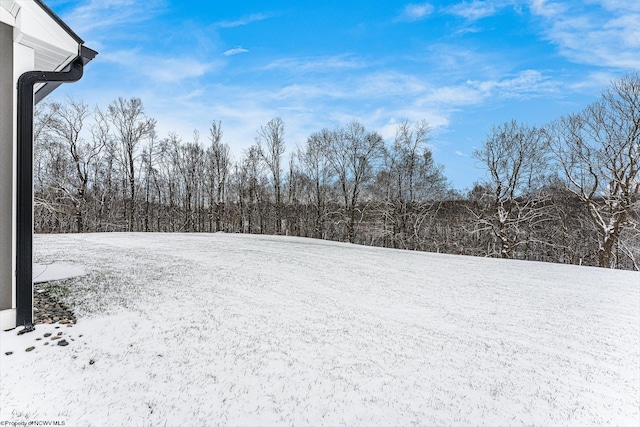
x=218 y=164
x=188 y=160
x=412 y=182
x=150 y=177
x=415 y=173
x=168 y=185
x=315 y=164
x=250 y=187
x=131 y=126
x=514 y=156
x=272 y=137
x=353 y=153
x=48 y=170
x=67 y=123
x=599 y=151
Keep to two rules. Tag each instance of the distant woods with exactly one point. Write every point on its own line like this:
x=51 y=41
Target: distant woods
x=567 y=192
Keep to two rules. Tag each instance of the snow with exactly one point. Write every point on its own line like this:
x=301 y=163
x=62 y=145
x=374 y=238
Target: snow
x=50 y=272
x=219 y=329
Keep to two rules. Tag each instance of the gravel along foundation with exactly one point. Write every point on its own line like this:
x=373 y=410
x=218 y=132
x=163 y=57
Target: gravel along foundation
x=47 y=309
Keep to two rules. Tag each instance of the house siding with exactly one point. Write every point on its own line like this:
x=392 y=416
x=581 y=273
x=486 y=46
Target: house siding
x=6 y=165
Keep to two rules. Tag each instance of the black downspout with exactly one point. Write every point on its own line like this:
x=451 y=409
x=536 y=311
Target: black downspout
x=24 y=208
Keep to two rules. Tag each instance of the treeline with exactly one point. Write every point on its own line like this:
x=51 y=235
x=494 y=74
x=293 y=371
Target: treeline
x=567 y=192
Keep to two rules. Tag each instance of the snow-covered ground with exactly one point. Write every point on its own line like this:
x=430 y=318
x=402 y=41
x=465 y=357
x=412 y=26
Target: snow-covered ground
x=208 y=329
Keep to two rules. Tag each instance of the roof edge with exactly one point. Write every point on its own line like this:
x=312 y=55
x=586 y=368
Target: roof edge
x=59 y=21
x=87 y=54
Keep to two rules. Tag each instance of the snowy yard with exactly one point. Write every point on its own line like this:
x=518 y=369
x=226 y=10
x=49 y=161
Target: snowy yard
x=208 y=329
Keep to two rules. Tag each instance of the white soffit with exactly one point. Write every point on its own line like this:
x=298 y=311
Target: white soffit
x=54 y=48
x=8 y=11
x=48 y=57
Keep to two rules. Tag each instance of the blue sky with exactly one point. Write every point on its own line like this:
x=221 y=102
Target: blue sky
x=461 y=65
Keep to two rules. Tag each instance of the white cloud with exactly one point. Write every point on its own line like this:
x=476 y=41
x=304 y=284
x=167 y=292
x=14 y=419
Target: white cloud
x=415 y=12
x=472 y=11
x=387 y=83
x=298 y=91
x=362 y=86
x=526 y=84
x=453 y=95
x=594 y=82
x=160 y=68
x=318 y=64
x=627 y=26
x=194 y=94
x=623 y=5
x=176 y=69
x=603 y=33
x=243 y=21
x=235 y=51
x=546 y=8
x=97 y=15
